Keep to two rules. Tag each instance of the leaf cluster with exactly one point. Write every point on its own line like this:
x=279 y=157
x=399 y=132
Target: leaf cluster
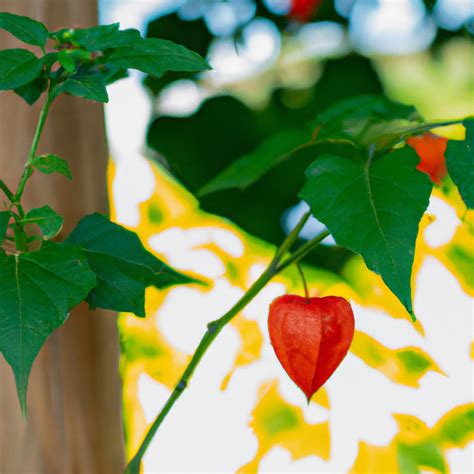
x=82 y=62
x=100 y=262
x=350 y=164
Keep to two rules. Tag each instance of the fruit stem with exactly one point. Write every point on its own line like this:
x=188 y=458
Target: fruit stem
x=215 y=327
x=300 y=270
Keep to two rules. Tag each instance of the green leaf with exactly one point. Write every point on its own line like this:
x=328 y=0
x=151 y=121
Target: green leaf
x=460 y=163
x=367 y=119
x=373 y=208
x=32 y=91
x=24 y=28
x=91 y=87
x=48 y=164
x=100 y=38
x=46 y=219
x=123 y=266
x=17 y=68
x=286 y=145
x=247 y=170
x=200 y=146
x=413 y=457
x=156 y=56
x=66 y=60
x=37 y=291
x=4 y=220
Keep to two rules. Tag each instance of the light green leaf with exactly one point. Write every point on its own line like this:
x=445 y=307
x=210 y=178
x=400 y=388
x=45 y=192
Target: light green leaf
x=156 y=56
x=37 y=291
x=46 y=219
x=460 y=163
x=17 y=68
x=123 y=266
x=91 y=87
x=4 y=220
x=373 y=207
x=66 y=60
x=412 y=458
x=24 y=28
x=48 y=164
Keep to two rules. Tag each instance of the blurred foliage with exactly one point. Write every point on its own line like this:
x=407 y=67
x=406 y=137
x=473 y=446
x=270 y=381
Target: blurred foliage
x=212 y=143
x=231 y=122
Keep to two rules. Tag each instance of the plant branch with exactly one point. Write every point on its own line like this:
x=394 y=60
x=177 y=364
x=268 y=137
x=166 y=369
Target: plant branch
x=215 y=327
x=27 y=172
x=302 y=251
x=21 y=238
x=6 y=190
x=292 y=236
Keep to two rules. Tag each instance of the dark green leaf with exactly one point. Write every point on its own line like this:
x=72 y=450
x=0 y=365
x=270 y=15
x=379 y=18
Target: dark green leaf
x=48 y=164
x=102 y=38
x=373 y=208
x=17 y=68
x=112 y=74
x=24 y=28
x=46 y=219
x=91 y=87
x=49 y=59
x=4 y=220
x=248 y=169
x=123 y=266
x=155 y=57
x=368 y=119
x=242 y=173
x=37 y=291
x=32 y=91
x=193 y=34
x=199 y=147
x=460 y=163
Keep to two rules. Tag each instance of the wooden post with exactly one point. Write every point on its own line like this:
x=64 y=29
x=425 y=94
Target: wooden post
x=74 y=397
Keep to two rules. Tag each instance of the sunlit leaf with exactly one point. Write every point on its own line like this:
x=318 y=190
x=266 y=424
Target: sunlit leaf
x=275 y=422
x=406 y=366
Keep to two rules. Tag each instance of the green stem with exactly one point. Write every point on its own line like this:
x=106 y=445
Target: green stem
x=302 y=251
x=292 y=236
x=21 y=237
x=215 y=327
x=27 y=172
x=6 y=190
